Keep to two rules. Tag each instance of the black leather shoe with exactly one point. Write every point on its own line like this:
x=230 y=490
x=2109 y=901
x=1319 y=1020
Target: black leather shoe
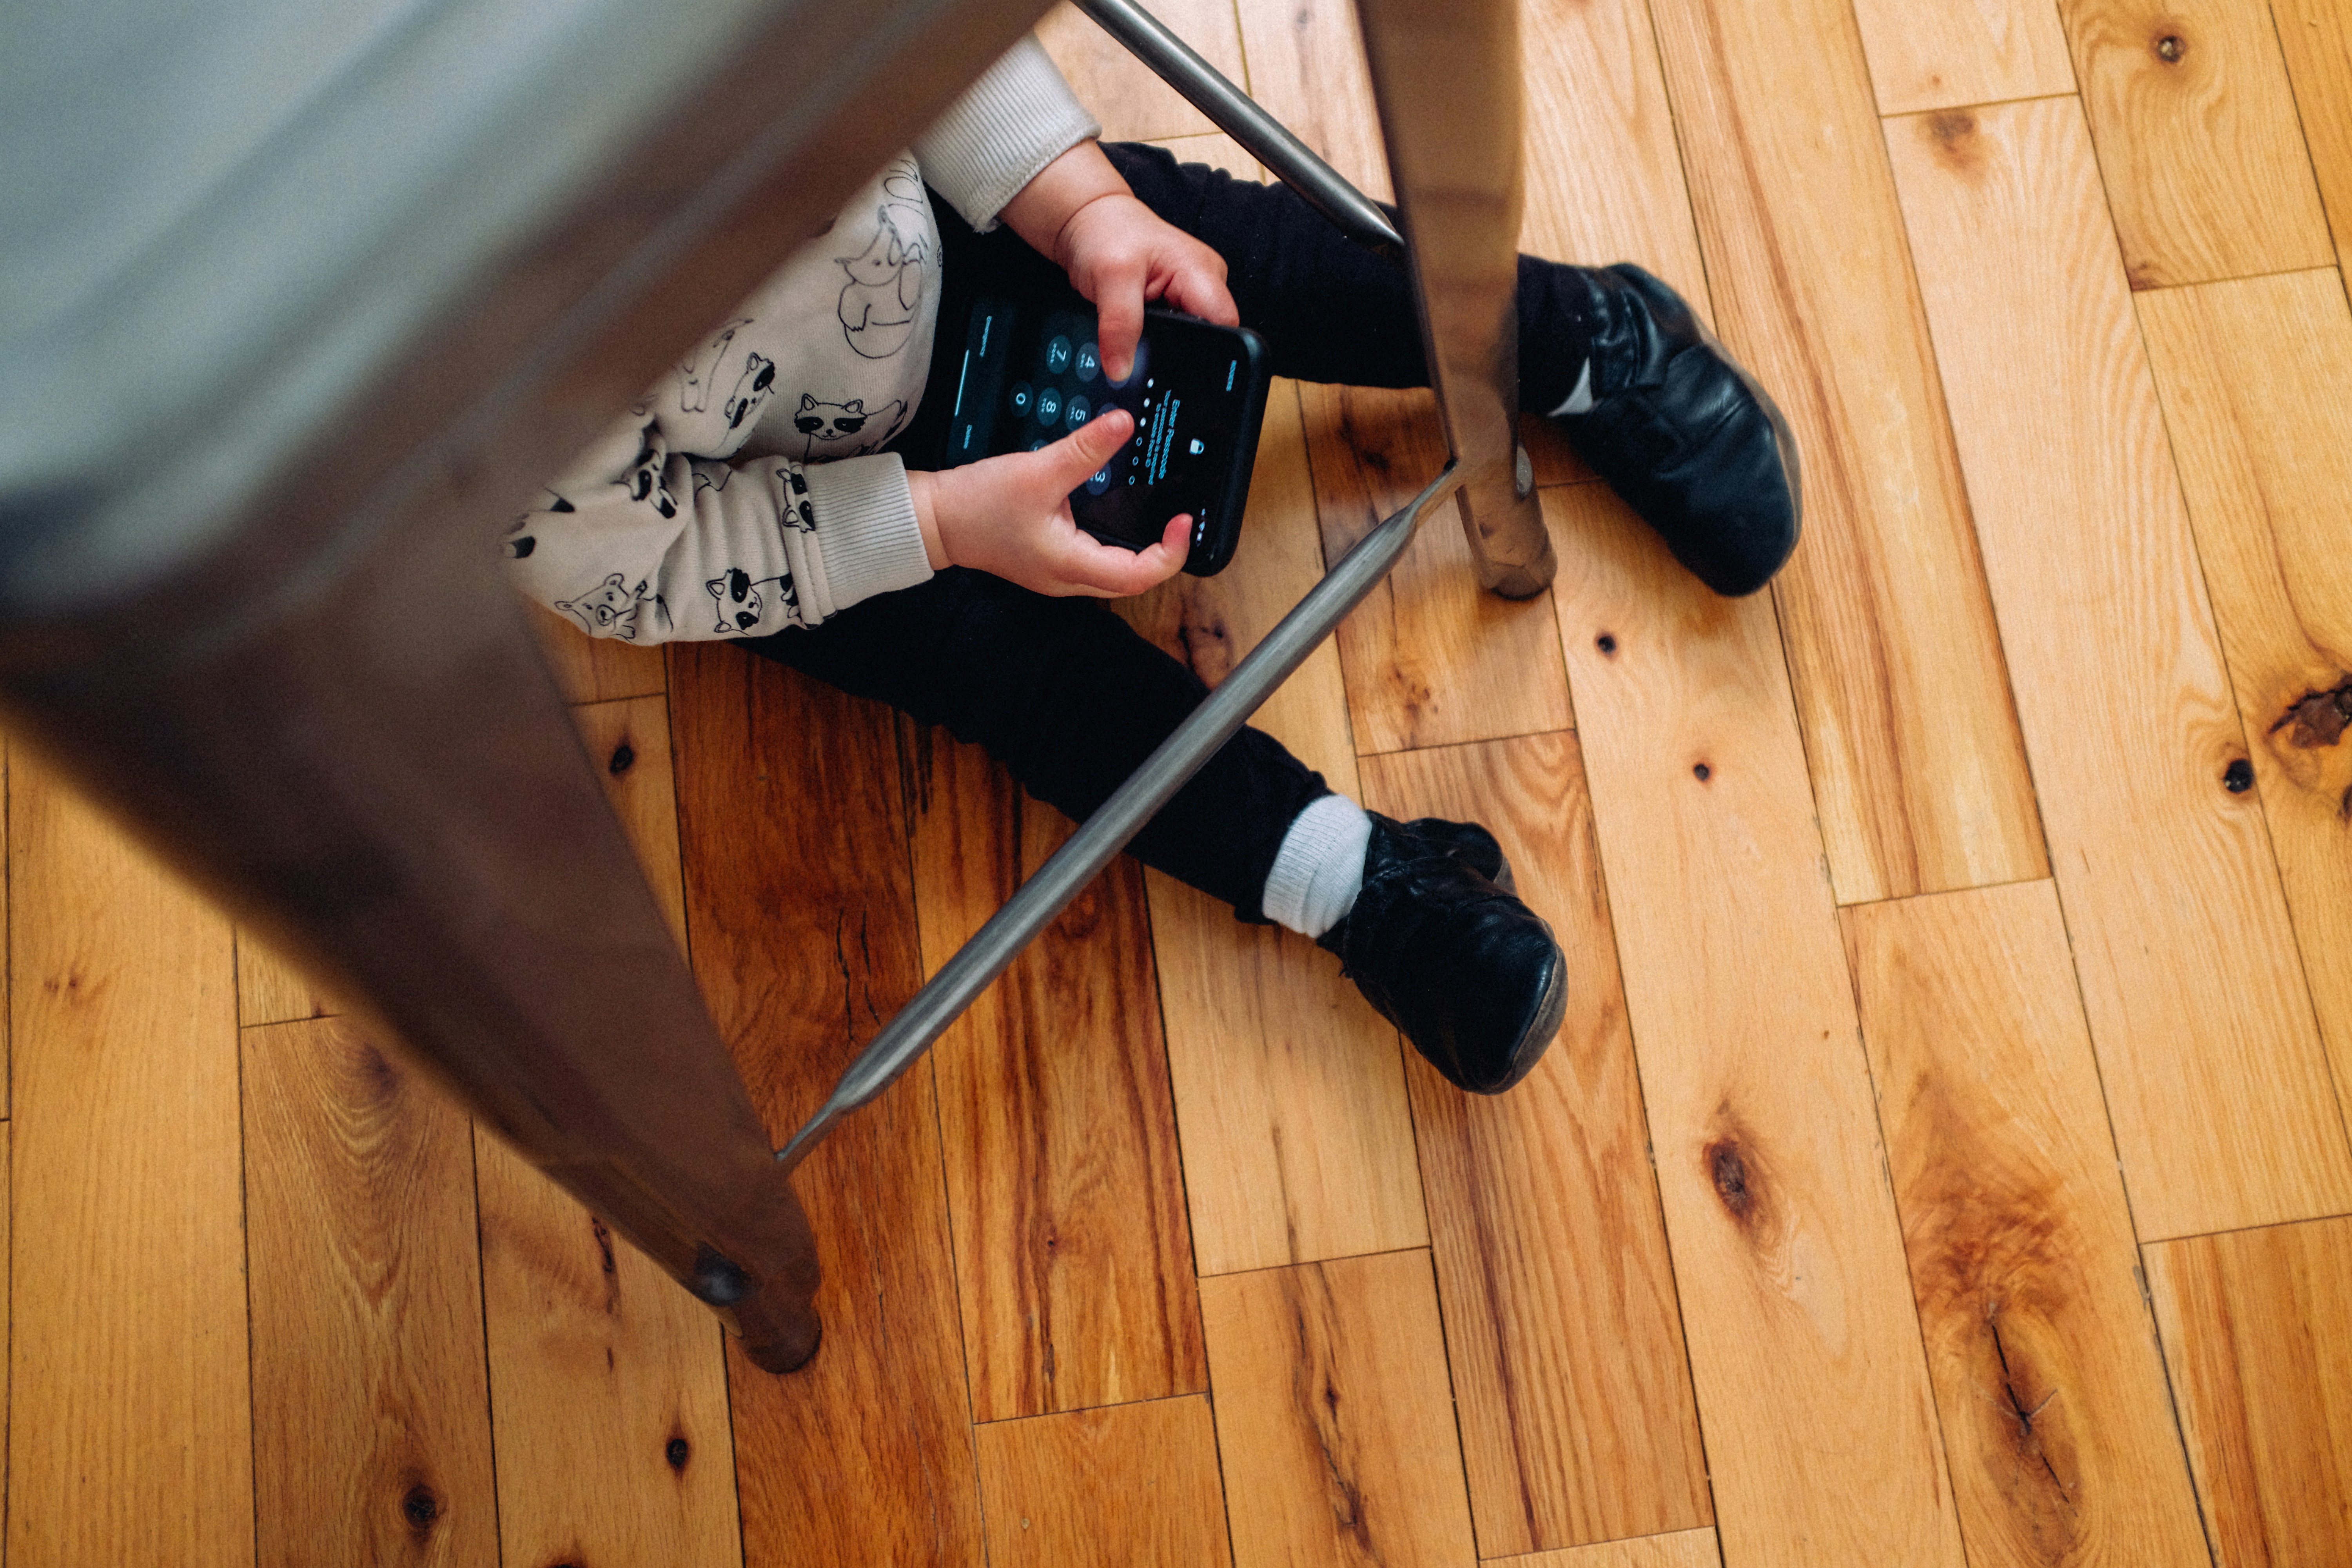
x=1681 y=431
x=1470 y=974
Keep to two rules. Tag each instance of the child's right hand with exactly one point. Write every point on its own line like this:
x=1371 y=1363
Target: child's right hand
x=1011 y=516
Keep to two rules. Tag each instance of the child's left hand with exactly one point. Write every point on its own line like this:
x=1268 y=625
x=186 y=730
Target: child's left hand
x=1118 y=252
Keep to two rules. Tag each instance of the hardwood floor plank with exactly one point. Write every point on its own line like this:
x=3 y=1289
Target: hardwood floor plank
x=2256 y=379
x=2212 y=1063
x=1684 y=1549
x=1127 y=1484
x=1133 y=104
x=2206 y=171
x=1561 y=1321
x=607 y=1387
x=1973 y=51
x=1788 y=1254
x=1308 y=70
x=576 y=1317
x=1430 y=658
x=2258 y=1331
x=1289 y=1089
x=129 y=1395
x=2315 y=39
x=1333 y=1415
x=799 y=902
x=596 y=670
x=1900 y=686
x=629 y=740
x=271 y=990
x=1065 y=1196
x=2056 y=1420
x=370 y=1393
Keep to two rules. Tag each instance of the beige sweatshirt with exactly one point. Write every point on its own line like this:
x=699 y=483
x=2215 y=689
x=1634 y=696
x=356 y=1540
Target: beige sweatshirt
x=748 y=492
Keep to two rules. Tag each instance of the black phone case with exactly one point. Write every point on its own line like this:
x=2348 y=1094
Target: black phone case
x=1213 y=543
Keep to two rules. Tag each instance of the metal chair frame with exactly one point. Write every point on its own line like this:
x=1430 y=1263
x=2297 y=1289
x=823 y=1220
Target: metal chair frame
x=368 y=344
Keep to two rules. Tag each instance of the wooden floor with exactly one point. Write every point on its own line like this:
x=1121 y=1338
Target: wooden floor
x=1945 y=1159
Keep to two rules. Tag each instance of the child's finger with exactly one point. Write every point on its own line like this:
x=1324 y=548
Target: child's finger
x=1118 y=311
x=1200 y=290
x=1109 y=571
x=1080 y=454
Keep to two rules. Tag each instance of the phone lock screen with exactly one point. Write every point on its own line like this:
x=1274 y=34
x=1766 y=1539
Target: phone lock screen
x=1031 y=374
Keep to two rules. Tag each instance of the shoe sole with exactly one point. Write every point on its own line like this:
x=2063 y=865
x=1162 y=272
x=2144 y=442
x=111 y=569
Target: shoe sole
x=1542 y=1029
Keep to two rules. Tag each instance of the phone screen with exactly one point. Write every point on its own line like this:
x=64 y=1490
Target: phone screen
x=1030 y=374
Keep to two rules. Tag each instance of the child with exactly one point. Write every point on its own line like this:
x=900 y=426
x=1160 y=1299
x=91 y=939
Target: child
x=755 y=497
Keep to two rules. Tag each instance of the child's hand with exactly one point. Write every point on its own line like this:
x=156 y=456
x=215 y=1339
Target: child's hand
x=1118 y=252
x=1011 y=516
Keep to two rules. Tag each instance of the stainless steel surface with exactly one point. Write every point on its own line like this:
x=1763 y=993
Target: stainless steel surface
x=1235 y=113
x=994 y=946
x=260 y=426
x=1446 y=75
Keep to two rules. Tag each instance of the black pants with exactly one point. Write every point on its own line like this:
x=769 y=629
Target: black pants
x=1062 y=691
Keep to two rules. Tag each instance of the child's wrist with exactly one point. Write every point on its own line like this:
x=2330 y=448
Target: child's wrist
x=1042 y=210
x=923 y=487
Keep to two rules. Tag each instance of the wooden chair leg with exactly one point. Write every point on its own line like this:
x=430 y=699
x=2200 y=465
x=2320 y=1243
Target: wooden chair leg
x=1446 y=75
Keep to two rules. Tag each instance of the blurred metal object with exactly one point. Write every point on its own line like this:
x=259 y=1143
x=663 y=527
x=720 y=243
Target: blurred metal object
x=1446 y=74
x=259 y=424
x=1063 y=877
x=1236 y=114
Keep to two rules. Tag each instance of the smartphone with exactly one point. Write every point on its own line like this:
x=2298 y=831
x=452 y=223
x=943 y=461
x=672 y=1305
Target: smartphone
x=1031 y=371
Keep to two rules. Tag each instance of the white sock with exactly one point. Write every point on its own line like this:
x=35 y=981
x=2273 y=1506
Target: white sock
x=1320 y=867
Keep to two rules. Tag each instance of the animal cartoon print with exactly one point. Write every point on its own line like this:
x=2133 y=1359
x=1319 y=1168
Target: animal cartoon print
x=611 y=608
x=742 y=603
x=519 y=544
x=830 y=426
x=752 y=389
x=644 y=479
x=884 y=291
x=797 y=514
x=698 y=373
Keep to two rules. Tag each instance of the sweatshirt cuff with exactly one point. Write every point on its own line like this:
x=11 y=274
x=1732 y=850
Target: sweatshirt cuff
x=868 y=538
x=1019 y=117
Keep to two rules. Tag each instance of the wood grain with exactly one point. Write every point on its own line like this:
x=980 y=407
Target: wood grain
x=607 y=1384
x=1684 y=1549
x=1796 y=1306
x=2056 y=1420
x=129 y=1422
x=1968 y=51
x=2256 y=379
x=628 y=743
x=793 y=831
x=2206 y=171
x=270 y=989
x=595 y=670
x=1331 y=1399
x=1067 y=1201
x=370 y=1393
x=2315 y=39
x=1308 y=70
x=1128 y=1484
x=1289 y=1089
x=1562 y=1326
x=1133 y=104
x=1430 y=658
x=1900 y=687
x=2258 y=1333
x=2212 y=1064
